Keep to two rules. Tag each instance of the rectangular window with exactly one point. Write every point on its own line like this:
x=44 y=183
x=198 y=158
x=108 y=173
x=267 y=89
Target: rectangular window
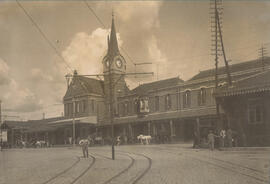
x=179 y=100
x=77 y=107
x=202 y=97
x=66 y=109
x=156 y=103
x=93 y=105
x=84 y=105
x=70 y=109
x=136 y=106
x=255 y=112
x=186 y=99
x=168 y=102
x=126 y=108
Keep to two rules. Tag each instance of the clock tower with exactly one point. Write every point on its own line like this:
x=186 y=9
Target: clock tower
x=114 y=69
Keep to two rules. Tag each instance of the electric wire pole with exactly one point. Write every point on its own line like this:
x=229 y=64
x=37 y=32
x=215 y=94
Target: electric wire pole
x=219 y=50
x=1 y=139
x=262 y=52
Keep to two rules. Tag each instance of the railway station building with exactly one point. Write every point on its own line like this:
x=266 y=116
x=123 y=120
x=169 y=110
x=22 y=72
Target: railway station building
x=168 y=110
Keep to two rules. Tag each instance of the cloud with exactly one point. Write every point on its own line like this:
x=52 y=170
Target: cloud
x=4 y=70
x=145 y=13
x=15 y=97
x=85 y=52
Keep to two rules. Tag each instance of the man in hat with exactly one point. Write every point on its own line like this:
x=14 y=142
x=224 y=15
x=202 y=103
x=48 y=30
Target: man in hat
x=84 y=143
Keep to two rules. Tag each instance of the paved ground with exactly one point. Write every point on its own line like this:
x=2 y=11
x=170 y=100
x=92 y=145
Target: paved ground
x=152 y=164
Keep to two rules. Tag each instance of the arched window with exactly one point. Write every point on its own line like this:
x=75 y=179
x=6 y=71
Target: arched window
x=187 y=99
x=168 y=102
x=202 y=97
x=156 y=103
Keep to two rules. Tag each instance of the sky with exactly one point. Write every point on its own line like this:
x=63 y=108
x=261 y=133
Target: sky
x=175 y=36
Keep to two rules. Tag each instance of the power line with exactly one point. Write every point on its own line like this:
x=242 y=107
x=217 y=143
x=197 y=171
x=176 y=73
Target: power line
x=93 y=12
x=43 y=35
x=101 y=22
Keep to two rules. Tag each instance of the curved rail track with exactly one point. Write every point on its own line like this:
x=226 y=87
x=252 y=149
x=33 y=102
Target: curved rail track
x=121 y=172
x=135 y=179
x=240 y=169
x=62 y=172
x=69 y=168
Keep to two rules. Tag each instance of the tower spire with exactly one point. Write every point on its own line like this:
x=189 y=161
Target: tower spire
x=113 y=49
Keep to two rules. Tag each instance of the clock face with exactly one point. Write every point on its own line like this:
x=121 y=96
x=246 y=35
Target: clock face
x=119 y=63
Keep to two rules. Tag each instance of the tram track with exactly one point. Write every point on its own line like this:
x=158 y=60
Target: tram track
x=240 y=170
x=87 y=169
x=138 y=176
x=121 y=172
x=145 y=171
x=231 y=163
x=55 y=177
x=62 y=172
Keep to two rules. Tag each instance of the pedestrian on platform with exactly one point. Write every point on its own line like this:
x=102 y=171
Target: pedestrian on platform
x=211 y=140
x=84 y=143
x=222 y=135
x=118 y=140
x=229 y=137
x=196 y=140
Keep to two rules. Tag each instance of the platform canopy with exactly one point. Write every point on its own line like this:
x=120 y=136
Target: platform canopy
x=82 y=120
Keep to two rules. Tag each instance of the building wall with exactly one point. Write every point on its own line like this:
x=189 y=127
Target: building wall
x=176 y=94
x=239 y=110
x=84 y=106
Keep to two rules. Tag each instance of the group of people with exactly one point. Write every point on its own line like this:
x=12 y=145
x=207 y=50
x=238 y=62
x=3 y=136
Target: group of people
x=223 y=137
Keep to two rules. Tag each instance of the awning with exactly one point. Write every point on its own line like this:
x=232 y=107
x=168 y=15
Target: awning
x=84 y=120
x=183 y=113
x=41 y=129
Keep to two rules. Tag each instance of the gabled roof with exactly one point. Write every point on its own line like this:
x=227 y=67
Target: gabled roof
x=144 y=88
x=248 y=65
x=83 y=85
x=256 y=83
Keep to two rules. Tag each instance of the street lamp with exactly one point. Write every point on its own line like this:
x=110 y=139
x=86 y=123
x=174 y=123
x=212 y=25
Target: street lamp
x=73 y=122
x=68 y=78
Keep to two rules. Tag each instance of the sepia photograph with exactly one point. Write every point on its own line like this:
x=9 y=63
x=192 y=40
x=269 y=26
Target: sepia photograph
x=135 y=92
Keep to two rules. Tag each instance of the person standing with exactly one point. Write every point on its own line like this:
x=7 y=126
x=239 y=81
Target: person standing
x=211 y=140
x=118 y=140
x=229 y=137
x=196 y=140
x=84 y=143
x=222 y=136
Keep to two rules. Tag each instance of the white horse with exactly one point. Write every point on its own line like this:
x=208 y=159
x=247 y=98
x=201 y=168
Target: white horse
x=144 y=139
x=40 y=144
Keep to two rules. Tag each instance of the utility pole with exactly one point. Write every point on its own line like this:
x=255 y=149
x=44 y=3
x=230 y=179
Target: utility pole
x=262 y=52
x=73 y=123
x=111 y=110
x=219 y=50
x=1 y=140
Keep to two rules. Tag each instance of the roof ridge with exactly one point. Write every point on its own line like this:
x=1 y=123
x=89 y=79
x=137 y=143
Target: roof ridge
x=240 y=63
x=162 y=80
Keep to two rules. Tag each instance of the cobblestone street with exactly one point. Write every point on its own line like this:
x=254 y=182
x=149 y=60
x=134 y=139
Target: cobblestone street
x=173 y=163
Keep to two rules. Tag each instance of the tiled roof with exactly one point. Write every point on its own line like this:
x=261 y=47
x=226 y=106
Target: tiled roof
x=144 y=88
x=256 y=83
x=84 y=85
x=233 y=68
